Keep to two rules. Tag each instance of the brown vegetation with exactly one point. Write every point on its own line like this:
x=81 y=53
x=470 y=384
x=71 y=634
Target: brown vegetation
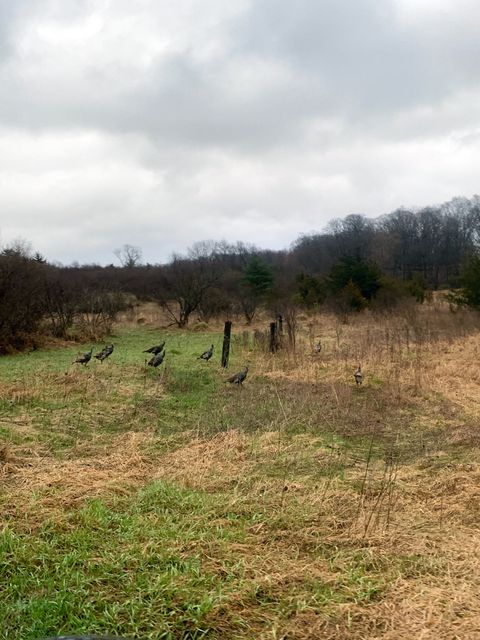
x=370 y=496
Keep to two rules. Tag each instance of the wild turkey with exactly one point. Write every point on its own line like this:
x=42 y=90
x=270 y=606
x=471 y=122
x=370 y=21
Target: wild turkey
x=155 y=349
x=104 y=353
x=84 y=358
x=358 y=375
x=206 y=355
x=239 y=377
x=318 y=347
x=157 y=359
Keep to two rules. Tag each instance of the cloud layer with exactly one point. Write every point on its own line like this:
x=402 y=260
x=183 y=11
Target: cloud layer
x=159 y=124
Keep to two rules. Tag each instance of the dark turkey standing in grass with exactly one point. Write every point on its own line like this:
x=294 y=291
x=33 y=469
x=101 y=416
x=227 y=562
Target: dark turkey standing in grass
x=206 y=355
x=157 y=359
x=155 y=349
x=239 y=377
x=84 y=358
x=358 y=376
x=104 y=353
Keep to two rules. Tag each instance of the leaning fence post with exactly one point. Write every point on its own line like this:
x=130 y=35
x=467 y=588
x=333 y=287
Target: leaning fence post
x=226 y=343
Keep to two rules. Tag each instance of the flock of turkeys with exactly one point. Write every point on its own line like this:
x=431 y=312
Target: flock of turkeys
x=158 y=355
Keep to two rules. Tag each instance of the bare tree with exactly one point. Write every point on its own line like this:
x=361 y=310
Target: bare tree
x=185 y=282
x=61 y=300
x=97 y=311
x=129 y=256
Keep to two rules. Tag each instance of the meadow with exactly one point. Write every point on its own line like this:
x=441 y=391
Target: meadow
x=168 y=504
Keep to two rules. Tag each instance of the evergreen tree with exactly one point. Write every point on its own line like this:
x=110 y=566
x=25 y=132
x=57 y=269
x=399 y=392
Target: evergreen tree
x=363 y=275
x=470 y=283
x=256 y=283
x=258 y=277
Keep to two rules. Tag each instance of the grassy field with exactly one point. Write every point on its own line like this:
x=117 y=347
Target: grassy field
x=167 y=504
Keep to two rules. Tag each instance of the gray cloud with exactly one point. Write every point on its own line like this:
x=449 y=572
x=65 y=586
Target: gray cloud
x=256 y=120
x=370 y=54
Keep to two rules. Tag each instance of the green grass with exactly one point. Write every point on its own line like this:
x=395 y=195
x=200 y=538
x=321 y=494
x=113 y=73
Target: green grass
x=134 y=567
x=239 y=558
x=160 y=563
x=120 y=394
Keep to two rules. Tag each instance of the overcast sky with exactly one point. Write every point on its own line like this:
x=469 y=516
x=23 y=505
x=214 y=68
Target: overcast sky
x=159 y=123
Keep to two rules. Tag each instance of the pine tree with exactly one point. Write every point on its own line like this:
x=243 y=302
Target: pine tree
x=258 y=277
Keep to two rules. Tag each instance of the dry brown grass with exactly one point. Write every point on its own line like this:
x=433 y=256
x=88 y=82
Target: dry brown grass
x=434 y=524
x=418 y=349
x=428 y=553
x=404 y=518
x=41 y=486
x=146 y=314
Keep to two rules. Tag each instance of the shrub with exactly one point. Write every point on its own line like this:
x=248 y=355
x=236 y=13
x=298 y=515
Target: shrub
x=311 y=291
x=21 y=298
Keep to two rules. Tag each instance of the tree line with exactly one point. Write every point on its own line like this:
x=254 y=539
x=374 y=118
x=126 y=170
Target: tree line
x=355 y=263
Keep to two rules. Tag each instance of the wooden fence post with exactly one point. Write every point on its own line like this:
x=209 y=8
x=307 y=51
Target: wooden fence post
x=280 y=325
x=273 y=337
x=226 y=343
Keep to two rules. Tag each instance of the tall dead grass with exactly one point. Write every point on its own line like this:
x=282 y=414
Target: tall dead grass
x=368 y=494
x=411 y=349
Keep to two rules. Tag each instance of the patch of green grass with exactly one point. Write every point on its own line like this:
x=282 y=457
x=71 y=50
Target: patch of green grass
x=375 y=381
x=65 y=401
x=132 y=567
